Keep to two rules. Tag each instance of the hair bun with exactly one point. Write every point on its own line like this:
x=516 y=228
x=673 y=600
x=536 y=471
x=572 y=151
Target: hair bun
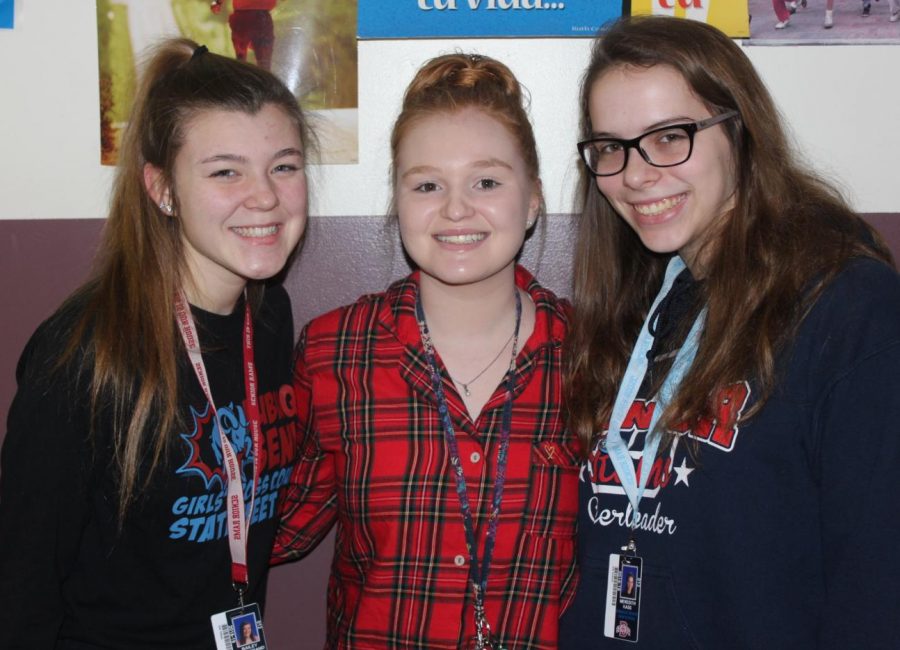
x=474 y=72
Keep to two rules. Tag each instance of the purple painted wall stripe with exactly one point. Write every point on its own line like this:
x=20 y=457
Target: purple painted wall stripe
x=41 y=262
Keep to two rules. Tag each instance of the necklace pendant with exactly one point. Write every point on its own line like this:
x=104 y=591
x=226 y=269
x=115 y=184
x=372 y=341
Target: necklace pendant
x=465 y=388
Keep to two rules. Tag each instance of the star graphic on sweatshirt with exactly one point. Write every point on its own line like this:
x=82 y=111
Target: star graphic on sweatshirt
x=682 y=472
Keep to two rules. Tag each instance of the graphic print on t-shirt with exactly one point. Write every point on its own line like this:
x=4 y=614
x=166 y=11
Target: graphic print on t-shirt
x=205 y=459
x=199 y=513
x=667 y=471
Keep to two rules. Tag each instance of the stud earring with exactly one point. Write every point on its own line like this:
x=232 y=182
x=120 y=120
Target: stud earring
x=165 y=207
x=529 y=224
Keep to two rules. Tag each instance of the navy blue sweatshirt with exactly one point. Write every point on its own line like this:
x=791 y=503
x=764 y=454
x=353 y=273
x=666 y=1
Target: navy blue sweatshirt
x=784 y=531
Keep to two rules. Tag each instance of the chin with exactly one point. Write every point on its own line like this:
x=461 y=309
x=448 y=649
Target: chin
x=264 y=272
x=660 y=245
x=469 y=276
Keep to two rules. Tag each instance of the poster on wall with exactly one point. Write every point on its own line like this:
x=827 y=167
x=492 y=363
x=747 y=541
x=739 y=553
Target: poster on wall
x=730 y=16
x=484 y=18
x=824 y=22
x=7 y=11
x=309 y=44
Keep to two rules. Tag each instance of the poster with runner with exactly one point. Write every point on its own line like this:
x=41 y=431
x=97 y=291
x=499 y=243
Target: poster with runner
x=309 y=44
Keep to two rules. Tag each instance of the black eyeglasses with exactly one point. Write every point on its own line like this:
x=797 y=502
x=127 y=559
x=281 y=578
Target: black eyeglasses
x=666 y=146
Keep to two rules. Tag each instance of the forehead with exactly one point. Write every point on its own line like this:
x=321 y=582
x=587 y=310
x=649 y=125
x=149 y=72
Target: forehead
x=626 y=100
x=470 y=133
x=215 y=128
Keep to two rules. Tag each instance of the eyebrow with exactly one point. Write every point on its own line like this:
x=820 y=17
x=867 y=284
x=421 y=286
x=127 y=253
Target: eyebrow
x=478 y=164
x=669 y=121
x=233 y=157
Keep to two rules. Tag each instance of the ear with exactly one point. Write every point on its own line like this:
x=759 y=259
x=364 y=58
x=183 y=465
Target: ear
x=156 y=186
x=535 y=203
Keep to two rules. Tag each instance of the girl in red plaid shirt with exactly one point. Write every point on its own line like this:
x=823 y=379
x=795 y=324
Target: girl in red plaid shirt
x=430 y=413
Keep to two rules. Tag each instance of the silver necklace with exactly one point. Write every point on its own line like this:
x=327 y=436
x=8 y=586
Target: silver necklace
x=465 y=384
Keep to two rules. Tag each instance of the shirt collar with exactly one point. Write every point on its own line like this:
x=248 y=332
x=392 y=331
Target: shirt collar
x=398 y=313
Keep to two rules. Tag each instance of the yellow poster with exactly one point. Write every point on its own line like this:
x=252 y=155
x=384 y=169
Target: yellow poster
x=731 y=16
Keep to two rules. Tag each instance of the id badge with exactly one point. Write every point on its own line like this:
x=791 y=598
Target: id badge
x=239 y=629
x=623 y=598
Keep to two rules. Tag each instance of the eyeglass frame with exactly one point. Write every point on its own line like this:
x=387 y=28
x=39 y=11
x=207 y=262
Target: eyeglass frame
x=691 y=128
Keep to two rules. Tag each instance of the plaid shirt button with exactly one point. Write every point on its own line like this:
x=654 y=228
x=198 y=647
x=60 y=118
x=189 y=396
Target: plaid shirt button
x=475 y=457
x=459 y=560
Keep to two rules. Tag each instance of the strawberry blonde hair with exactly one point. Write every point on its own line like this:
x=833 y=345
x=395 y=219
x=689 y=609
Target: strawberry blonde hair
x=453 y=82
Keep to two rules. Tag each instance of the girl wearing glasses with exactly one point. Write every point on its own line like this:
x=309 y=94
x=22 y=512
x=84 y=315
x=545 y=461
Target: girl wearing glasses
x=733 y=370
x=430 y=413
x=136 y=493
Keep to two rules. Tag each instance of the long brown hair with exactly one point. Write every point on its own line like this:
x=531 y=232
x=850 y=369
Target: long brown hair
x=788 y=236
x=127 y=329
x=453 y=82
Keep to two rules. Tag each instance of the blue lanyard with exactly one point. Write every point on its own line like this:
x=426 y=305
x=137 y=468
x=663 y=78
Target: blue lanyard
x=616 y=446
x=478 y=574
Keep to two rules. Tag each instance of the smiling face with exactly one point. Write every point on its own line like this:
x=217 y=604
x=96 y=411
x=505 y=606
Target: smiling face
x=241 y=197
x=674 y=208
x=463 y=197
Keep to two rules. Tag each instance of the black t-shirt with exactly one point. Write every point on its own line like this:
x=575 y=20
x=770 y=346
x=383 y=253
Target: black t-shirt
x=67 y=569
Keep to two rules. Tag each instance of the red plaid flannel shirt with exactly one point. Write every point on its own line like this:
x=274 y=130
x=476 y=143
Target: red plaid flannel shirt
x=373 y=459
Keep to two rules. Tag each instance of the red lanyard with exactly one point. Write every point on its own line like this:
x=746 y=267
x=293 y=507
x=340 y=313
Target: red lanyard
x=238 y=517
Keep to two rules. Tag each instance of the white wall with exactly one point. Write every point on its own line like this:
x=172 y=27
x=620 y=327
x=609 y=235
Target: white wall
x=842 y=103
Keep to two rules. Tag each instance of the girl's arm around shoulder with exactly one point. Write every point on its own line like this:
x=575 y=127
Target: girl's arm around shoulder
x=308 y=507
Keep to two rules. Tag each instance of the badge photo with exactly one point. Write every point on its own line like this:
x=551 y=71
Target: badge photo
x=239 y=629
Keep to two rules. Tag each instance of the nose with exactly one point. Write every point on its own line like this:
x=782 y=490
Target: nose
x=262 y=194
x=457 y=206
x=638 y=172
